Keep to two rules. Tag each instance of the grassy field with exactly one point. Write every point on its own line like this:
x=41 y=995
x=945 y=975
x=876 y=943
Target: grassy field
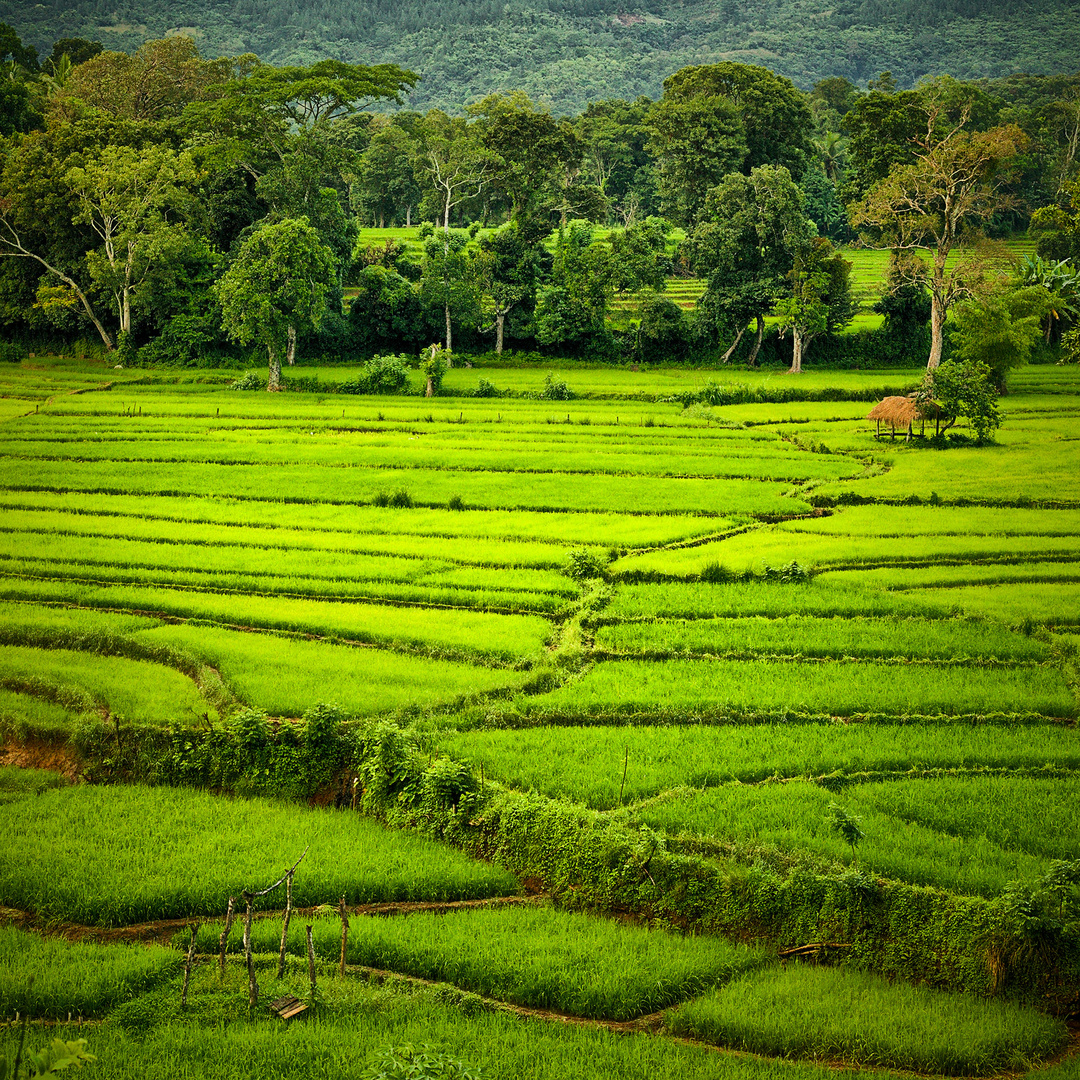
x=675 y=618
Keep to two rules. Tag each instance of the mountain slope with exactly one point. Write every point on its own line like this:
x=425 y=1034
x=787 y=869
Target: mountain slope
x=569 y=52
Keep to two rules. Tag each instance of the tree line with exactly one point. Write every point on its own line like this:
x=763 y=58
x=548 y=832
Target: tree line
x=177 y=207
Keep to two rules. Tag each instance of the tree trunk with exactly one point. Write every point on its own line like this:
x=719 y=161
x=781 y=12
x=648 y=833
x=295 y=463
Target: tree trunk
x=500 y=322
x=274 y=382
x=734 y=345
x=937 y=310
x=752 y=358
x=290 y=347
x=408 y=217
x=796 y=351
x=449 y=332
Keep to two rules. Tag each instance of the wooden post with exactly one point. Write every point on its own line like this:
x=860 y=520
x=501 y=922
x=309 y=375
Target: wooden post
x=625 y=766
x=187 y=966
x=311 y=963
x=344 y=935
x=230 y=915
x=285 y=925
x=253 y=985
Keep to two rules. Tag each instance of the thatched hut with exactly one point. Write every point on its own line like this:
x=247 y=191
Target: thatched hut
x=897 y=412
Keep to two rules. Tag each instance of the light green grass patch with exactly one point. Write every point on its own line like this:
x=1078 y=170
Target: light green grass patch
x=157 y=853
x=134 y=689
x=861 y=1019
x=287 y=676
x=728 y=688
x=50 y=978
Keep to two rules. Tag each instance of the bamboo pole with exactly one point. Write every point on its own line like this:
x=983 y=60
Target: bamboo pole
x=344 y=935
x=230 y=915
x=311 y=963
x=285 y=924
x=187 y=966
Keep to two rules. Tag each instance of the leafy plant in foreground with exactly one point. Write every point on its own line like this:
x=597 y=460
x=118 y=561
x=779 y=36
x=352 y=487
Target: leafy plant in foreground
x=410 y=1062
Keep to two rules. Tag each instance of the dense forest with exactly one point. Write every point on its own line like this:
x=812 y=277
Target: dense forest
x=181 y=210
x=567 y=53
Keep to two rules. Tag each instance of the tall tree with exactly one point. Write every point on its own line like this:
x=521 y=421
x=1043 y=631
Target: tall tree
x=127 y=198
x=276 y=286
x=534 y=154
x=819 y=298
x=731 y=107
x=752 y=229
x=956 y=182
x=457 y=164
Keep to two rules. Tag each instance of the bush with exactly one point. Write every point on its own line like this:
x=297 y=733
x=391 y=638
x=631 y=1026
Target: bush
x=582 y=564
x=486 y=389
x=12 y=353
x=251 y=381
x=409 y=1062
x=556 y=389
x=400 y=498
x=380 y=375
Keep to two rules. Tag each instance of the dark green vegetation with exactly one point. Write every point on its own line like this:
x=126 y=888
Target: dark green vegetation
x=161 y=207
x=571 y=53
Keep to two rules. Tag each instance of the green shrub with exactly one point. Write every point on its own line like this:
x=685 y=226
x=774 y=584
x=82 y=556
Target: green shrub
x=556 y=389
x=410 y=1062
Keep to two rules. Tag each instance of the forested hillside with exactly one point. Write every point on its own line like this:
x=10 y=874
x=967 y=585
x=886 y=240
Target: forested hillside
x=570 y=52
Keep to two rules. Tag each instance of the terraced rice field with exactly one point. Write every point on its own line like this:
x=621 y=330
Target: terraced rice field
x=708 y=626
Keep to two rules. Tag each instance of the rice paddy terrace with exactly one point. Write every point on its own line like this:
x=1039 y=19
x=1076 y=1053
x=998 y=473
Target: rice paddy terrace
x=627 y=656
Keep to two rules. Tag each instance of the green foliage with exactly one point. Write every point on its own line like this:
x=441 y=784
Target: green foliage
x=967 y=389
x=583 y=564
x=58 y=1056
x=278 y=281
x=846 y=826
x=556 y=389
x=408 y=1062
x=999 y=331
x=379 y=375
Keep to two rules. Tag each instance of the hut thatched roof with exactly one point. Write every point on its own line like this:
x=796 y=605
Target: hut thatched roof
x=897 y=411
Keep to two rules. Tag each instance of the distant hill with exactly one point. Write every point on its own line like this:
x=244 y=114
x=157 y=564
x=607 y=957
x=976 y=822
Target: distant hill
x=570 y=52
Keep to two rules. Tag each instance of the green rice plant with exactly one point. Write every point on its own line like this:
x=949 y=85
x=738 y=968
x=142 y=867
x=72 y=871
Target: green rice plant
x=953 y=576
x=50 y=978
x=795 y=817
x=163 y=512
x=135 y=689
x=154 y=853
x=24 y=716
x=749 y=551
x=705 y=600
x=271 y=563
x=460 y=631
x=480 y=552
x=17 y=783
x=1047 y=603
x=862 y=1019
x=31 y=579
x=432 y=486
x=997 y=807
x=577 y=964
x=587 y=765
x=365 y=681
x=728 y=688
x=902 y=521
x=800 y=635
x=354 y=1024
